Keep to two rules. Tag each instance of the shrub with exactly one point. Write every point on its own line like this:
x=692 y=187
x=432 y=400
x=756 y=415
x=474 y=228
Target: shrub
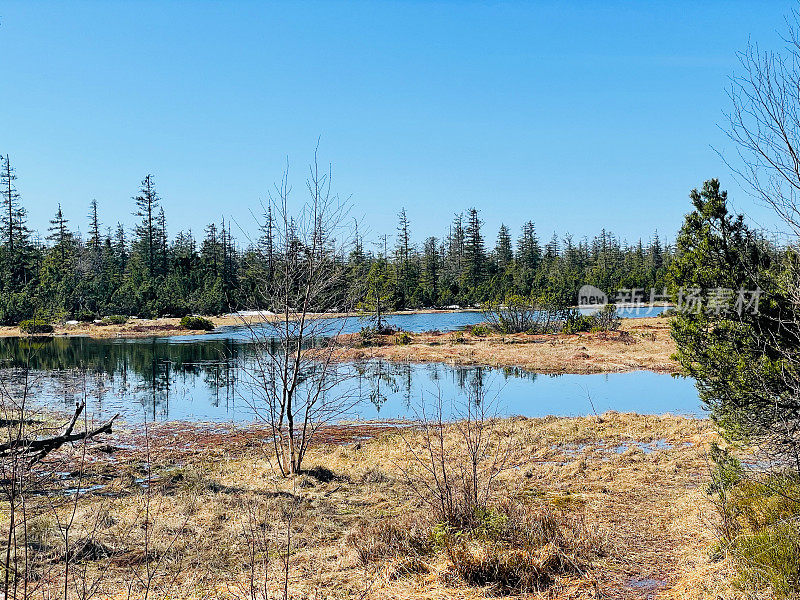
x=34 y=326
x=197 y=323
x=575 y=322
x=513 y=314
x=368 y=336
x=760 y=525
x=518 y=314
x=114 y=320
x=480 y=330
x=607 y=318
x=402 y=339
x=86 y=316
x=521 y=549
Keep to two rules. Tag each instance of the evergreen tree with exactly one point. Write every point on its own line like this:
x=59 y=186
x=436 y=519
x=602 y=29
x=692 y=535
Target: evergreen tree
x=11 y=207
x=120 y=249
x=58 y=233
x=147 y=204
x=431 y=271
x=267 y=243
x=161 y=243
x=474 y=253
x=502 y=251
x=529 y=255
x=94 y=227
x=402 y=253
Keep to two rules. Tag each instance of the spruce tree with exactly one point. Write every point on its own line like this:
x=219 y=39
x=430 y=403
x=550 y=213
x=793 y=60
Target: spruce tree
x=503 y=252
x=147 y=204
x=474 y=252
x=94 y=226
x=402 y=252
x=58 y=233
x=430 y=270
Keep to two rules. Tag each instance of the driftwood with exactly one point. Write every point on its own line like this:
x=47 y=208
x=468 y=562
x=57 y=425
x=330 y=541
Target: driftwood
x=36 y=449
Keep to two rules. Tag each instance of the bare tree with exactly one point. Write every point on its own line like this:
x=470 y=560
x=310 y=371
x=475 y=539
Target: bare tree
x=453 y=466
x=37 y=559
x=296 y=385
x=764 y=122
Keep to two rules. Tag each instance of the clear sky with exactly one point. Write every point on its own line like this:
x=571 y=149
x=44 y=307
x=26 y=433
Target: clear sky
x=578 y=115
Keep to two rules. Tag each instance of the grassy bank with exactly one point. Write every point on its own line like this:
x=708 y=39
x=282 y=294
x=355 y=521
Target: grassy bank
x=639 y=344
x=196 y=511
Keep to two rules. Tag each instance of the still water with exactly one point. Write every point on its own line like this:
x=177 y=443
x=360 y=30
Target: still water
x=419 y=322
x=204 y=378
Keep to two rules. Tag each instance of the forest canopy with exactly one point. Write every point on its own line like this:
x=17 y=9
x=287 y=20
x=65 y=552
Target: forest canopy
x=144 y=271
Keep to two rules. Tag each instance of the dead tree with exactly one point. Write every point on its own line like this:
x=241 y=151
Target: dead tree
x=34 y=449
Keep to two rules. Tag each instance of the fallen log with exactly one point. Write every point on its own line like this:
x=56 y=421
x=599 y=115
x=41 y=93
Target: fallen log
x=36 y=449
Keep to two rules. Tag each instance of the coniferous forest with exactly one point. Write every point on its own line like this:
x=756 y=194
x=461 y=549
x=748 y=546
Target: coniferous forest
x=143 y=270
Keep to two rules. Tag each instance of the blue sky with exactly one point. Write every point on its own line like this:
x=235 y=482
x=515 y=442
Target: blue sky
x=578 y=115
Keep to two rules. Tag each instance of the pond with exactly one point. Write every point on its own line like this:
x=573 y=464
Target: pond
x=205 y=379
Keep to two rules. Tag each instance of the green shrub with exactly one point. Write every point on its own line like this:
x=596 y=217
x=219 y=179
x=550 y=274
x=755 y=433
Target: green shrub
x=403 y=338
x=35 y=326
x=761 y=526
x=114 y=320
x=197 y=323
x=575 y=322
x=480 y=330
x=607 y=318
x=86 y=316
x=368 y=336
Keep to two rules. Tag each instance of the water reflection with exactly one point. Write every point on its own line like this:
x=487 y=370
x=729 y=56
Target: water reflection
x=205 y=379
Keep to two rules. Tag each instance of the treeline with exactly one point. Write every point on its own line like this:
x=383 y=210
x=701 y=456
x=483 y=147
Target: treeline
x=144 y=272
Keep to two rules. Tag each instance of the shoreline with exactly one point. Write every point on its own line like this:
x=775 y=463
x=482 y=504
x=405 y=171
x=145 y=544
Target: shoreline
x=170 y=326
x=641 y=344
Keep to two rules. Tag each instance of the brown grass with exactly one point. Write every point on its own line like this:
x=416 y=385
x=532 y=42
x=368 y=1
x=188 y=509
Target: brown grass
x=637 y=481
x=640 y=344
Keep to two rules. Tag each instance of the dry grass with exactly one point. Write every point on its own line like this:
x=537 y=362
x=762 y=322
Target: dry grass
x=637 y=482
x=640 y=344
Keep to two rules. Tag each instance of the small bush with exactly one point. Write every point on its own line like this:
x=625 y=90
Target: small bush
x=403 y=338
x=86 y=316
x=480 y=330
x=367 y=335
x=607 y=318
x=761 y=525
x=519 y=549
x=34 y=326
x=114 y=320
x=576 y=322
x=197 y=323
